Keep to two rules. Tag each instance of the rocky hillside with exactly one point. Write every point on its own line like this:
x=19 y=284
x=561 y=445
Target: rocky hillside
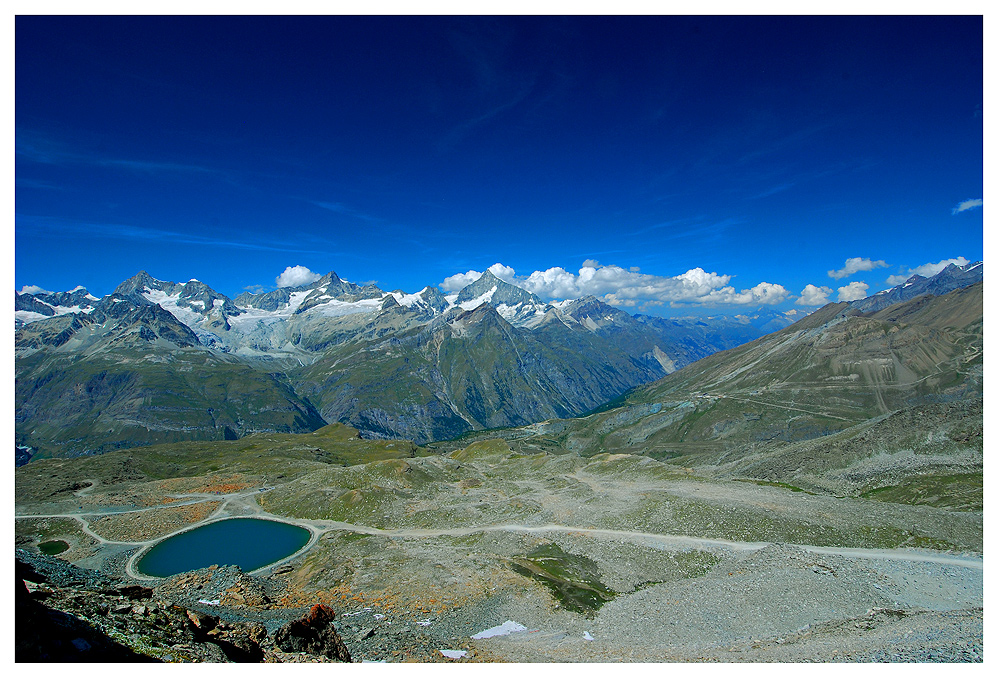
x=67 y=614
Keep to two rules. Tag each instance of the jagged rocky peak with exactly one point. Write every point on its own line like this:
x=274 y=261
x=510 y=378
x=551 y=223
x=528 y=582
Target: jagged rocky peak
x=434 y=298
x=331 y=287
x=140 y=281
x=504 y=292
x=595 y=309
x=34 y=304
x=484 y=315
x=951 y=278
x=193 y=295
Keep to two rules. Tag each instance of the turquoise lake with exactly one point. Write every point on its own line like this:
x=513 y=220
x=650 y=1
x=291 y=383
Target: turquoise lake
x=250 y=543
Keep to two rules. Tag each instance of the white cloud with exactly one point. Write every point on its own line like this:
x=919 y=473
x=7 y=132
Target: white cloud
x=853 y=291
x=294 y=276
x=623 y=287
x=968 y=205
x=458 y=281
x=855 y=265
x=34 y=289
x=926 y=270
x=502 y=272
x=812 y=295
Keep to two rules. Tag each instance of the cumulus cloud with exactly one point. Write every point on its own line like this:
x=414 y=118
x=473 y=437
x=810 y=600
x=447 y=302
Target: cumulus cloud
x=855 y=265
x=458 y=281
x=812 y=295
x=926 y=270
x=294 y=276
x=968 y=205
x=630 y=287
x=853 y=291
x=503 y=272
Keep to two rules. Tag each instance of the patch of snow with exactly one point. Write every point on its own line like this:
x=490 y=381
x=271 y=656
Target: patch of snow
x=478 y=301
x=197 y=301
x=334 y=307
x=29 y=316
x=210 y=602
x=907 y=284
x=507 y=627
x=92 y=297
x=169 y=303
x=508 y=312
x=409 y=300
x=587 y=635
x=77 y=289
x=296 y=300
x=63 y=310
x=453 y=654
x=980 y=263
x=217 y=303
x=425 y=622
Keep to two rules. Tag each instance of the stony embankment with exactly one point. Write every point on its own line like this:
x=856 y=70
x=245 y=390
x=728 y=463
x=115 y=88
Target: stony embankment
x=65 y=613
x=217 y=614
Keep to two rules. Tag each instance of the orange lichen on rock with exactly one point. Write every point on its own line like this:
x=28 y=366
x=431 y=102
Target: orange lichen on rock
x=147 y=525
x=211 y=484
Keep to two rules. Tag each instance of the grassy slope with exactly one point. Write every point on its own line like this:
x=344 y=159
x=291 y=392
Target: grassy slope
x=68 y=405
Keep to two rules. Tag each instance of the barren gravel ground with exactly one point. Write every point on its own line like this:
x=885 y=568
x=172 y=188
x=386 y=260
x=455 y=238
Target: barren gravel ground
x=696 y=570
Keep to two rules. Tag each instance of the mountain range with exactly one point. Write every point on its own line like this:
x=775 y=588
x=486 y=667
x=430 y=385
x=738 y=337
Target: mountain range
x=158 y=361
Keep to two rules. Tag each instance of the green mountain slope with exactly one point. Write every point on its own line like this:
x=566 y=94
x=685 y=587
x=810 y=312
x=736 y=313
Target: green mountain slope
x=476 y=371
x=826 y=379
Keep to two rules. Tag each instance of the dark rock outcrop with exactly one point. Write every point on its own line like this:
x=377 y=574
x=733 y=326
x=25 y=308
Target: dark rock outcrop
x=314 y=633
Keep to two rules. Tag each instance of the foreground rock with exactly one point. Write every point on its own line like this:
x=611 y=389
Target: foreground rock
x=314 y=633
x=67 y=614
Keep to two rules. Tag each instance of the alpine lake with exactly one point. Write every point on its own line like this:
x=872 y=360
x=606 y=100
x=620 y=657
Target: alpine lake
x=250 y=543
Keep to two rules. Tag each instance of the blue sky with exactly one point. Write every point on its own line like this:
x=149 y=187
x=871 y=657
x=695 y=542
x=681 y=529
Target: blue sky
x=668 y=164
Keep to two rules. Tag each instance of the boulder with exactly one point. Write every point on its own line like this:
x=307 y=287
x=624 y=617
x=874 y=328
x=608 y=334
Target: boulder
x=314 y=633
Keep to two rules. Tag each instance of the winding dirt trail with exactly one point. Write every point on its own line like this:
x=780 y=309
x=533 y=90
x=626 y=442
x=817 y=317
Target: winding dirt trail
x=676 y=540
x=243 y=504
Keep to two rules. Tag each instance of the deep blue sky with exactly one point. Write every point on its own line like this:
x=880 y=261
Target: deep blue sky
x=407 y=150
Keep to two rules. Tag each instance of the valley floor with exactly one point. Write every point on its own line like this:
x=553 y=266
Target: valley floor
x=604 y=583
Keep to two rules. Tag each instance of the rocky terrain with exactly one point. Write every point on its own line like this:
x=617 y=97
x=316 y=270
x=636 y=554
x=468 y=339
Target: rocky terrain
x=608 y=558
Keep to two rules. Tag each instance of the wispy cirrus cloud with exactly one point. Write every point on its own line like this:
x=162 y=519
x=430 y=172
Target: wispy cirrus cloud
x=41 y=225
x=340 y=208
x=689 y=227
x=774 y=190
x=38 y=148
x=968 y=205
x=855 y=265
